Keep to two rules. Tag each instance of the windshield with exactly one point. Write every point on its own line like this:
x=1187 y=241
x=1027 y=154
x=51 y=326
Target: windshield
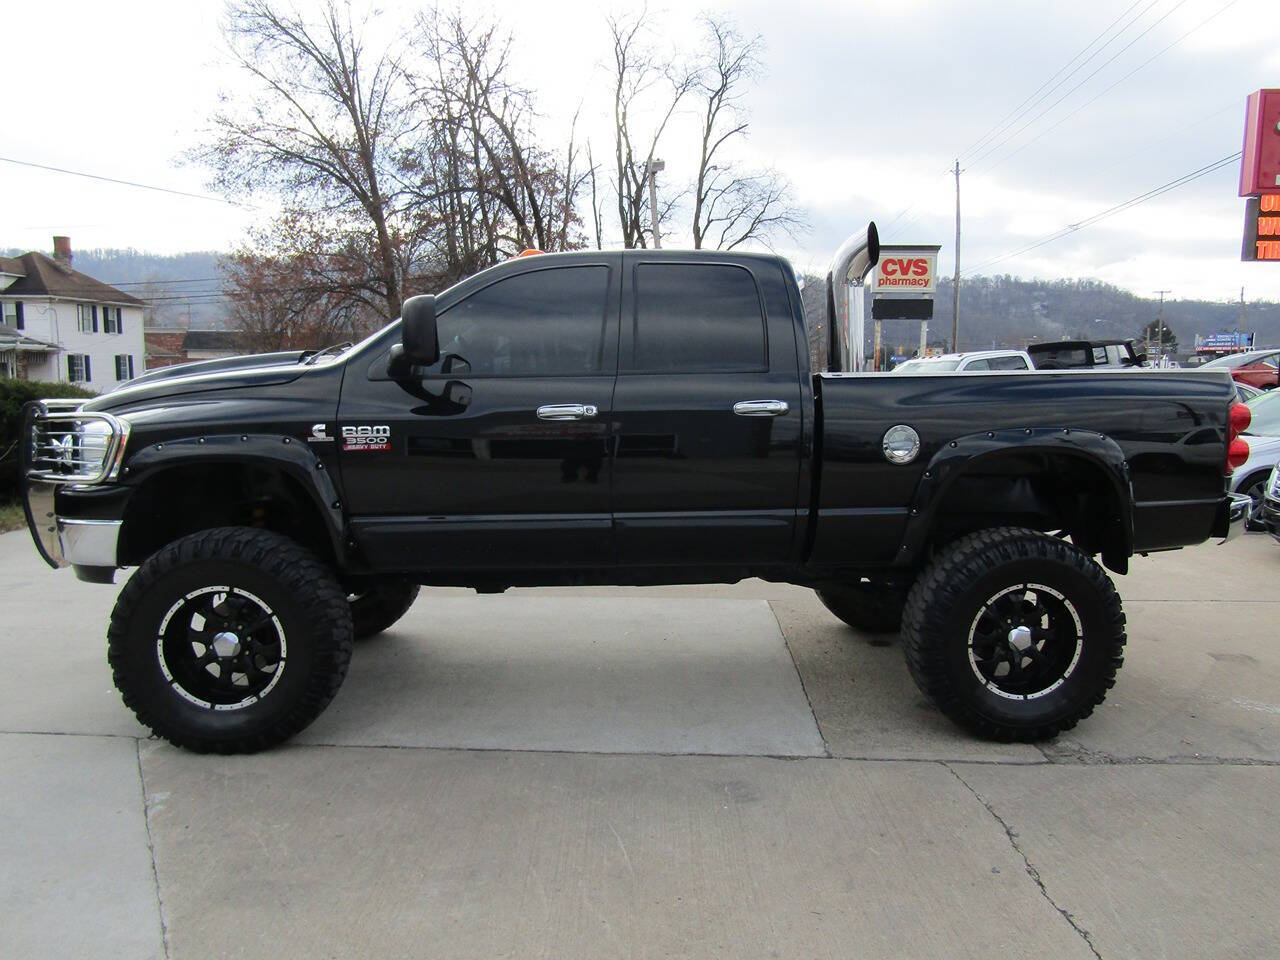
x=926 y=365
x=1266 y=415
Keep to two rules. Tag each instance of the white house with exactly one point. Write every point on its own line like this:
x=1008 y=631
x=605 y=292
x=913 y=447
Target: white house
x=63 y=325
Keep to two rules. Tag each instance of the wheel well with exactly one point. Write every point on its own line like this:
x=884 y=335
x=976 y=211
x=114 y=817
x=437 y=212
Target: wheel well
x=1053 y=492
x=1253 y=478
x=186 y=499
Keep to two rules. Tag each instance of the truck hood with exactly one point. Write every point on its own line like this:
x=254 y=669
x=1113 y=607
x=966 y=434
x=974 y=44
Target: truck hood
x=259 y=370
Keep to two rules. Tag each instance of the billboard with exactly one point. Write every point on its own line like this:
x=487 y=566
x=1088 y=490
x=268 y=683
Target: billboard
x=1234 y=342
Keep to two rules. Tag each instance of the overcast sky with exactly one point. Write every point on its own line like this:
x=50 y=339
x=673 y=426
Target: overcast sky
x=863 y=107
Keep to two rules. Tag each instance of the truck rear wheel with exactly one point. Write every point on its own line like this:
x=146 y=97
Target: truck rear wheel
x=1014 y=634
x=230 y=640
x=869 y=606
x=377 y=608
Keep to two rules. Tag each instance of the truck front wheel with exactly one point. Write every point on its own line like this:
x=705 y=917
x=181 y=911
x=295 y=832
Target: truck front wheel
x=1014 y=634
x=230 y=640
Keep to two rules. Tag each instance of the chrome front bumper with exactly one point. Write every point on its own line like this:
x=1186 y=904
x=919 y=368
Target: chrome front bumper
x=63 y=541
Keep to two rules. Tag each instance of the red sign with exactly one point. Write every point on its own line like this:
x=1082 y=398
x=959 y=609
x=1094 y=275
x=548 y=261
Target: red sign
x=1260 y=163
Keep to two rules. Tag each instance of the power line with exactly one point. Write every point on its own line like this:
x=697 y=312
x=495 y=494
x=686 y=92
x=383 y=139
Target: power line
x=127 y=183
x=992 y=149
x=1031 y=101
x=1112 y=211
x=1117 y=83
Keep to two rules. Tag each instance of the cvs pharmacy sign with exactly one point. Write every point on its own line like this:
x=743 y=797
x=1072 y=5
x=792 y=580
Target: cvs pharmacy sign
x=906 y=273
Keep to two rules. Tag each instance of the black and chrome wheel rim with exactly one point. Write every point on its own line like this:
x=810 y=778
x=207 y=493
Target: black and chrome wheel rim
x=1025 y=641
x=221 y=647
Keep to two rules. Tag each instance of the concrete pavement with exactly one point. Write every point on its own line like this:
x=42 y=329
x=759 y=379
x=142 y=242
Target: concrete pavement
x=685 y=771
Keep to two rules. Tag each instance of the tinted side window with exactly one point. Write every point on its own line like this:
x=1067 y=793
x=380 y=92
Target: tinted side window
x=696 y=318
x=543 y=323
x=1008 y=363
x=978 y=365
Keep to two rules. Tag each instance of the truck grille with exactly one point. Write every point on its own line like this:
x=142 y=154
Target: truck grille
x=74 y=447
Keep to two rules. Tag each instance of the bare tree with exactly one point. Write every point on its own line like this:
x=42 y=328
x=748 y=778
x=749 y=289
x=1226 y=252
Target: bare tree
x=732 y=206
x=639 y=75
x=491 y=189
x=321 y=125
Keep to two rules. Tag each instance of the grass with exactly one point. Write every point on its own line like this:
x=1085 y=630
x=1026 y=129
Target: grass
x=11 y=517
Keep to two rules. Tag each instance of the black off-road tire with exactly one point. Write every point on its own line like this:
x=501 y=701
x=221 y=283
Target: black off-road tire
x=377 y=608
x=299 y=611
x=947 y=615
x=870 y=606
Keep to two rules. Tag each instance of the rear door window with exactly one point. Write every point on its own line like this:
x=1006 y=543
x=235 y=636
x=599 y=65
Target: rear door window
x=695 y=318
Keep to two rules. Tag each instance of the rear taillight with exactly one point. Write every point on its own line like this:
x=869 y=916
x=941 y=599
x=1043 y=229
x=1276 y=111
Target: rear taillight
x=1238 y=419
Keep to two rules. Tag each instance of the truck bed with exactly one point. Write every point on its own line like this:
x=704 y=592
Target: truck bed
x=1169 y=428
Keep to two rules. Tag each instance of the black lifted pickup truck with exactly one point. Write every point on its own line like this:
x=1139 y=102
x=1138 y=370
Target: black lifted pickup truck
x=638 y=417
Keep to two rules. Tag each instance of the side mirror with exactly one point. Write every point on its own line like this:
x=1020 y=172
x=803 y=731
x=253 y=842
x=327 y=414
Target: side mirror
x=419 y=345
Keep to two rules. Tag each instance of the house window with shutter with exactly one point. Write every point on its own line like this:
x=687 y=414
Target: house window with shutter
x=87 y=318
x=13 y=315
x=124 y=366
x=78 y=369
x=111 y=320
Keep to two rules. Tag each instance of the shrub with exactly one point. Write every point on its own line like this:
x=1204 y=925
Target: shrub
x=13 y=394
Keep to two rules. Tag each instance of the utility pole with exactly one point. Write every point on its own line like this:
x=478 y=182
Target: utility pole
x=1241 y=325
x=1160 y=326
x=651 y=170
x=955 y=281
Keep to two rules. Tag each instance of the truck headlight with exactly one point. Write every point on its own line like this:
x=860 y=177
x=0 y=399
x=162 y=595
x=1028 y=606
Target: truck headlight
x=76 y=447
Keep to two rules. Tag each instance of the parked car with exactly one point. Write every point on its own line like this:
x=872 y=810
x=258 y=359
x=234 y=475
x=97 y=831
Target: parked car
x=970 y=361
x=617 y=417
x=1074 y=354
x=1271 y=503
x=1257 y=368
x=1245 y=393
x=1263 y=436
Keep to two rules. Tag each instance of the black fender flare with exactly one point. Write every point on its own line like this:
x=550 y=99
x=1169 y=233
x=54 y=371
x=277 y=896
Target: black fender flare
x=958 y=456
x=288 y=454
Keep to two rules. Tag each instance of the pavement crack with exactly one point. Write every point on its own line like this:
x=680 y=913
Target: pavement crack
x=151 y=852
x=826 y=746
x=1030 y=868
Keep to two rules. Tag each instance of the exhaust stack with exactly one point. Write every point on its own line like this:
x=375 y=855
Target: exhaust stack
x=846 y=296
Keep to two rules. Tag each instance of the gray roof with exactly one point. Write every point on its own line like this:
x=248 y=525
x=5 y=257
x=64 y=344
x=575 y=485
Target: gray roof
x=211 y=340
x=45 y=277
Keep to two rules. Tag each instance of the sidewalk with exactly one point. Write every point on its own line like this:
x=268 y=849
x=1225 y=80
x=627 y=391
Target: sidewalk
x=685 y=771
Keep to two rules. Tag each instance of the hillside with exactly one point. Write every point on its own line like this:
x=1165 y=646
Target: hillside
x=1007 y=312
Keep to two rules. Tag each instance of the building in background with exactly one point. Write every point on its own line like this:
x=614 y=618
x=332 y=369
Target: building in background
x=166 y=348
x=63 y=325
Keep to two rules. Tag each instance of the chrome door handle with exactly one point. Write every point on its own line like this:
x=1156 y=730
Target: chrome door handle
x=567 y=411
x=760 y=408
